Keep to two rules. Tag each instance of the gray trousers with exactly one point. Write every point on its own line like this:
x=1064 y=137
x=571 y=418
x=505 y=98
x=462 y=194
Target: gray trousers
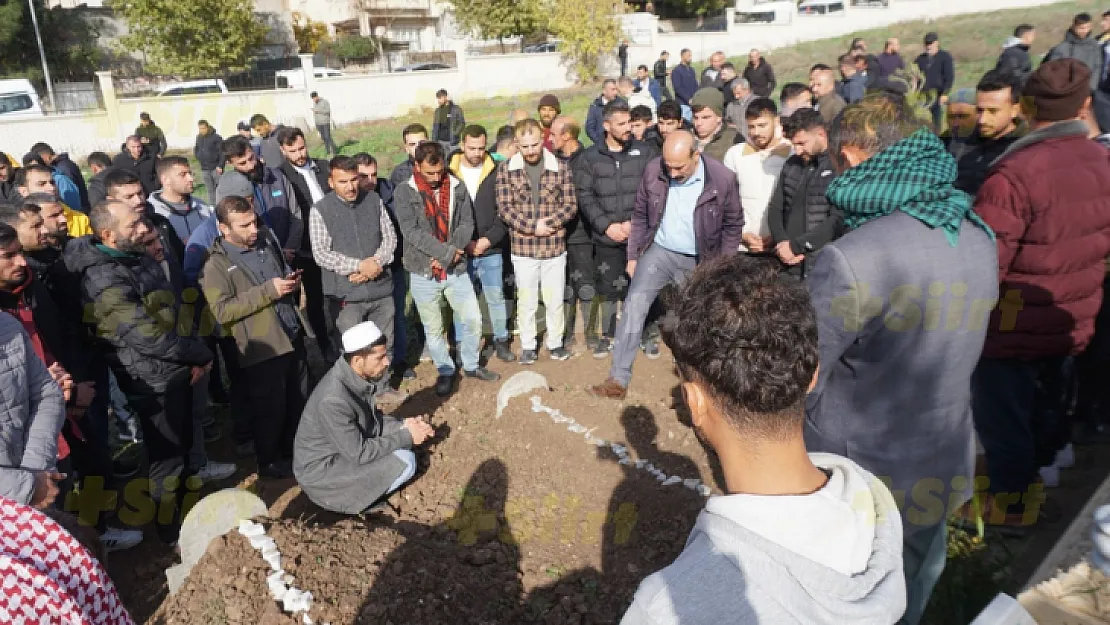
x=656 y=268
x=211 y=180
x=349 y=314
x=923 y=556
x=325 y=136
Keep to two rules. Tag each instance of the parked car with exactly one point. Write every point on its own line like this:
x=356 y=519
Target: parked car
x=422 y=67
x=550 y=46
x=193 y=87
x=820 y=7
x=18 y=98
x=294 y=78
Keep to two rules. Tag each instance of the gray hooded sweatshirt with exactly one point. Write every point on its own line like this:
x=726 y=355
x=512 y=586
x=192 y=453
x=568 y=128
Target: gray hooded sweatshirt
x=829 y=558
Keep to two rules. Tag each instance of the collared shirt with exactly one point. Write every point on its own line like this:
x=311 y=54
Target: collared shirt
x=342 y=264
x=308 y=172
x=676 y=229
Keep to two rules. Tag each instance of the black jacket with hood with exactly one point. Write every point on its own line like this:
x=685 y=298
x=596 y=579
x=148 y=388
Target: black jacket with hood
x=135 y=318
x=209 y=151
x=487 y=223
x=144 y=168
x=607 y=183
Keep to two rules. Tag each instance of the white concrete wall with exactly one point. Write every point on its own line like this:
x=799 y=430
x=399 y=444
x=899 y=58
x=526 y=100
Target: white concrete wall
x=382 y=96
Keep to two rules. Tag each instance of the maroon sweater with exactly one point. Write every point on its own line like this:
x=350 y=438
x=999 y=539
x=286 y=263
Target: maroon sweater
x=1048 y=201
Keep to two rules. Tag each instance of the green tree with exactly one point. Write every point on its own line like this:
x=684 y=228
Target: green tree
x=589 y=29
x=191 y=38
x=498 y=19
x=309 y=34
x=69 y=41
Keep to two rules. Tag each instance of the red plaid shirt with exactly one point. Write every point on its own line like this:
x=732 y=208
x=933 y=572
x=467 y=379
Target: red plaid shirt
x=516 y=208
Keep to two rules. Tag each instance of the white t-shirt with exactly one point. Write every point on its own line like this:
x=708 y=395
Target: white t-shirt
x=309 y=176
x=471 y=177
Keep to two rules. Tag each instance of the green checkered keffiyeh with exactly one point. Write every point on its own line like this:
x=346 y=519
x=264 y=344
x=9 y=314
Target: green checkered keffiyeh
x=914 y=176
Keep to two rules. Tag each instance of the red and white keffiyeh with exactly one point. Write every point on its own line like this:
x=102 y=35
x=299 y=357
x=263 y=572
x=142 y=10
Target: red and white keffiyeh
x=47 y=576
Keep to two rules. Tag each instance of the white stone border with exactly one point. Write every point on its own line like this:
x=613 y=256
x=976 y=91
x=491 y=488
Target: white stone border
x=619 y=449
x=280 y=583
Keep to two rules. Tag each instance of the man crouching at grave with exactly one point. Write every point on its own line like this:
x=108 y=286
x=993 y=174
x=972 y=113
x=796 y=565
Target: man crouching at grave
x=798 y=538
x=348 y=456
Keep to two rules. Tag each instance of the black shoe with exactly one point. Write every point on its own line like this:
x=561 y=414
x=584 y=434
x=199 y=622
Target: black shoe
x=651 y=349
x=443 y=385
x=559 y=354
x=592 y=342
x=528 y=357
x=212 y=434
x=504 y=354
x=409 y=374
x=602 y=349
x=280 y=470
x=483 y=374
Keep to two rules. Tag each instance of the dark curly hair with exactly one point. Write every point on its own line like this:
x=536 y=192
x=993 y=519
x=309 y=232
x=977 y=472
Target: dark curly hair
x=748 y=334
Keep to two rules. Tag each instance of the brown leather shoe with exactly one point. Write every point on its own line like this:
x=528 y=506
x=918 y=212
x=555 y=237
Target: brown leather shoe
x=609 y=389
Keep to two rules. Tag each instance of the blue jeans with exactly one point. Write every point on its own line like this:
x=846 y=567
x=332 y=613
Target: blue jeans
x=429 y=294
x=486 y=273
x=409 y=458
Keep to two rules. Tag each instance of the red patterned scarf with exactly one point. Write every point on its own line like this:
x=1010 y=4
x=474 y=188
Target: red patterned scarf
x=437 y=208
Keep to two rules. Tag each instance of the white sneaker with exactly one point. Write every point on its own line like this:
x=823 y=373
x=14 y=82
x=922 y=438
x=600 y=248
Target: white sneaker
x=1050 y=476
x=1065 y=458
x=118 y=539
x=215 y=471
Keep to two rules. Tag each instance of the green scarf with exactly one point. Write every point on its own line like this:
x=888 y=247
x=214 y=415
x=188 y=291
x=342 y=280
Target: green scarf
x=914 y=176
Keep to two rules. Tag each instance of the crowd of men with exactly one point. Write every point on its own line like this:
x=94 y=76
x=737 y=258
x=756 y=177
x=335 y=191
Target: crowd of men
x=949 y=284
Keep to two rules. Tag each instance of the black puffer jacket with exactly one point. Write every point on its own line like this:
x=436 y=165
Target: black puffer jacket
x=607 y=183
x=134 y=314
x=800 y=213
x=577 y=232
x=974 y=158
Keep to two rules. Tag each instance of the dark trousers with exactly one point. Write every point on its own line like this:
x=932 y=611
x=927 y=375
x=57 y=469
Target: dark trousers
x=1018 y=407
x=91 y=460
x=1093 y=368
x=325 y=135
x=938 y=115
x=315 y=307
x=167 y=421
x=277 y=390
x=581 y=287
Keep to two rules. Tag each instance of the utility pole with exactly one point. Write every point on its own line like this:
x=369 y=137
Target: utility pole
x=42 y=54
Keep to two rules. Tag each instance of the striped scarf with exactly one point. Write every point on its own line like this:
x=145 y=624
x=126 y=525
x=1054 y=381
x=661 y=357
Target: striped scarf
x=437 y=208
x=915 y=176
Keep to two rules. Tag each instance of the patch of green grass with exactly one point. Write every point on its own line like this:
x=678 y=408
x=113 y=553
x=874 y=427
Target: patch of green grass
x=974 y=40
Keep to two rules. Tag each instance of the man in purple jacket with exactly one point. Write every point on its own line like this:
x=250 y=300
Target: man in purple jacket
x=687 y=211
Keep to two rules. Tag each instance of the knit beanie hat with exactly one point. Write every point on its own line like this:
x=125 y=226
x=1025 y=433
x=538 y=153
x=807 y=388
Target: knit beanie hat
x=1058 y=89
x=963 y=96
x=550 y=100
x=709 y=97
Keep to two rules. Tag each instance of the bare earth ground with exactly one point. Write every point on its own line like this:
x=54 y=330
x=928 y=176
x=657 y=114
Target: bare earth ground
x=514 y=520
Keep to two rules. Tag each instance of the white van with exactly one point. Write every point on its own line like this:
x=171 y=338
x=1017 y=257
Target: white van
x=294 y=78
x=18 y=98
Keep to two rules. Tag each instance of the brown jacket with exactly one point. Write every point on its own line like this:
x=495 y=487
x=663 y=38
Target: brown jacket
x=558 y=202
x=244 y=307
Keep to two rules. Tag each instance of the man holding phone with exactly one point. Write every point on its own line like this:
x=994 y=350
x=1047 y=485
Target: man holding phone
x=252 y=292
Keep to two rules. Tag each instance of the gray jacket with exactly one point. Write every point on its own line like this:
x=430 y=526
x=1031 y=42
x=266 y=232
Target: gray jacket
x=343 y=454
x=31 y=413
x=729 y=573
x=420 y=242
x=1087 y=50
x=894 y=389
x=321 y=112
